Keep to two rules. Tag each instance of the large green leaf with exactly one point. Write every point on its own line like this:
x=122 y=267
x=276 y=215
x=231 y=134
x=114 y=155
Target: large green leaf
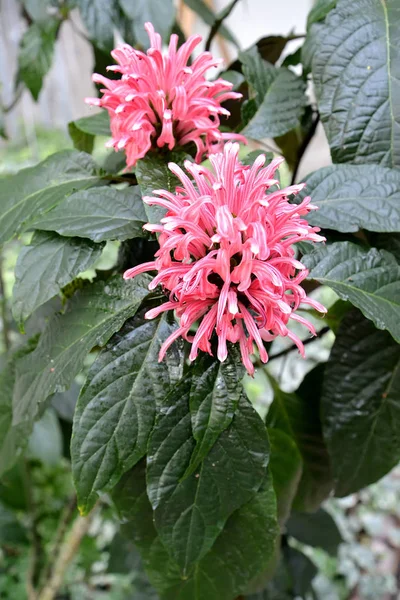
x=99 y=215
x=36 y=54
x=356 y=73
x=214 y=397
x=240 y=553
x=26 y=196
x=13 y=438
x=161 y=13
x=361 y=404
x=286 y=466
x=94 y=314
x=352 y=197
x=280 y=97
x=191 y=512
x=83 y=131
x=153 y=174
x=316 y=529
x=369 y=279
x=297 y=415
x=46 y=266
x=117 y=406
x=100 y=18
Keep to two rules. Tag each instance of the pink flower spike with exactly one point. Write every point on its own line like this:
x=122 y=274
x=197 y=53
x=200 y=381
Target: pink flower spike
x=161 y=101
x=225 y=262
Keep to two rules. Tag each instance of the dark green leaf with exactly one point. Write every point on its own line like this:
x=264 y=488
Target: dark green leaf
x=94 y=314
x=319 y=11
x=355 y=70
x=26 y=196
x=36 y=55
x=315 y=529
x=161 y=13
x=46 y=266
x=214 y=397
x=97 y=124
x=259 y=73
x=12 y=487
x=370 y=280
x=13 y=438
x=297 y=415
x=82 y=141
x=100 y=18
x=201 y=8
x=286 y=466
x=301 y=569
x=99 y=215
x=352 y=197
x=240 y=553
x=153 y=174
x=387 y=241
x=360 y=404
x=11 y=531
x=190 y=513
x=116 y=409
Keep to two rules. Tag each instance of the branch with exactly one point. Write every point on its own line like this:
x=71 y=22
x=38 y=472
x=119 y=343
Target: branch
x=4 y=315
x=66 y=553
x=322 y=332
x=218 y=22
x=304 y=146
x=65 y=521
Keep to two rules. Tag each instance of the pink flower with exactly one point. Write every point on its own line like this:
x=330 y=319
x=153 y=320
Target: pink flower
x=162 y=101
x=226 y=258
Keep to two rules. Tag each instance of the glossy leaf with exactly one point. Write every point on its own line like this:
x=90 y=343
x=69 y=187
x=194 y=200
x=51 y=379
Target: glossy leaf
x=353 y=197
x=356 y=76
x=161 y=13
x=36 y=54
x=100 y=18
x=191 y=512
x=29 y=194
x=239 y=554
x=297 y=415
x=46 y=266
x=117 y=406
x=99 y=215
x=316 y=529
x=93 y=315
x=360 y=404
x=214 y=396
x=369 y=279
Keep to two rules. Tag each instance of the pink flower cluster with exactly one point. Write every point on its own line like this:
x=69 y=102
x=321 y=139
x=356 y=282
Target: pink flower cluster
x=162 y=101
x=226 y=258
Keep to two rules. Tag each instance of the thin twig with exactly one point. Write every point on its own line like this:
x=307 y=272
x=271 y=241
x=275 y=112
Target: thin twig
x=4 y=315
x=304 y=146
x=66 y=553
x=217 y=24
x=323 y=331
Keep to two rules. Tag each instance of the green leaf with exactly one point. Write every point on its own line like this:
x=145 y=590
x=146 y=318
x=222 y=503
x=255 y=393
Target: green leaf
x=302 y=571
x=161 y=13
x=117 y=406
x=83 y=131
x=190 y=513
x=93 y=315
x=286 y=466
x=240 y=553
x=26 y=196
x=297 y=415
x=259 y=73
x=11 y=531
x=369 y=279
x=355 y=71
x=46 y=266
x=13 y=438
x=352 y=197
x=36 y=54
x=317 y=529
x=214 y=396
x=153 y=174
x=360 y=404
x=38 y=10
x=99 y=215
x=319 y=11
x=100 y=18
x=201 y=8
x=281 y=108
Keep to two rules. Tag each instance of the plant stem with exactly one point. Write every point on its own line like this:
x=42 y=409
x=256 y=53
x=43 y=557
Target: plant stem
x=217 y=24
x=6 y=337
x=304 y=146
x=66 y=553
